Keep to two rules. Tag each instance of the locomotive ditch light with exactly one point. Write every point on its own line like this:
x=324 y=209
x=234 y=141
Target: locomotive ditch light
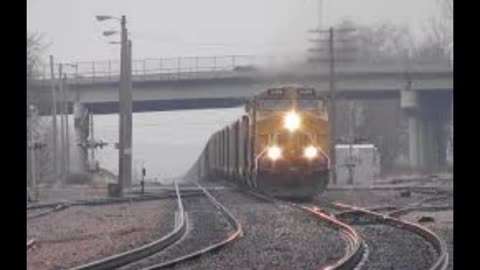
x=291 y=121
x=274 y=152
x=310 y=152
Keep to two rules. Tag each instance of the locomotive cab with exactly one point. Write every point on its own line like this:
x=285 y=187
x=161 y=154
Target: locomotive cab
x=291 y=142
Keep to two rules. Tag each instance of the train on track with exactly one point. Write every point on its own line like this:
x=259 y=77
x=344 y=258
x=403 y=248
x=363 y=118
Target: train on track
x=280 y=146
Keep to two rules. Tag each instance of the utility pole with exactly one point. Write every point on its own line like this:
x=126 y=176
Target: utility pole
x=67 y=113
x=122 y=104
x=333 y=133
x=128 y=119
x=331 y=59
x=62 y=126
x=92 y=139
x=124 y=140
x=32 y=154
x=54 y=119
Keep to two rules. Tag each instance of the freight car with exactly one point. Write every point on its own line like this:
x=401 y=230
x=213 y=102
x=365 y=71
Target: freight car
x=280 y=146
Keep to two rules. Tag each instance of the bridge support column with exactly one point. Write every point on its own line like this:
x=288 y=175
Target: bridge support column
x=429 y=129
x=409 y=102
x=413 y=142
x=81 y=128
x=79 y=112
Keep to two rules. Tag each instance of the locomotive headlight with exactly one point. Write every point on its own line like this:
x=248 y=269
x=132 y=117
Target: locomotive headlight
x=274 y=152
x=291 y=121
x=310 y=152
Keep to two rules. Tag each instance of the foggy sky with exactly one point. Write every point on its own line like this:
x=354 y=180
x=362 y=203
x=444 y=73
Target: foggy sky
x=170 y=28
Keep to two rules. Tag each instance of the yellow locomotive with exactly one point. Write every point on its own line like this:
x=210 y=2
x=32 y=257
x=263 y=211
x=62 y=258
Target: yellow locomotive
x=280 y=147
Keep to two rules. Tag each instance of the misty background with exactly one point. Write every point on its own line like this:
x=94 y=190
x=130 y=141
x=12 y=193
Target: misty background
x=171 y=28
x=387 y=29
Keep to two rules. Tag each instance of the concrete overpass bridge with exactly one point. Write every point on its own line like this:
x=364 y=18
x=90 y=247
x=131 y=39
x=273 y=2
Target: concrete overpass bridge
x=196 y=82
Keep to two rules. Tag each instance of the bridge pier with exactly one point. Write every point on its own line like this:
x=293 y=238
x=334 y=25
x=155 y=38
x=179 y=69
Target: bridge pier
x=79 y=111
x=428 y=129
x=81 y=127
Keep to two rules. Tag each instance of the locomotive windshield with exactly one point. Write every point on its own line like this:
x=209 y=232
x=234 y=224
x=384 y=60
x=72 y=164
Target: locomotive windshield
x=274 y=104
x=310 y=104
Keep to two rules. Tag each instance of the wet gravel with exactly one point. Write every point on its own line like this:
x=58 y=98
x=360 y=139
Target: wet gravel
x=399 y=249
x=442 y=226
x=206 y=226
x=80 y=234
x=393 y=248
x=274 y=237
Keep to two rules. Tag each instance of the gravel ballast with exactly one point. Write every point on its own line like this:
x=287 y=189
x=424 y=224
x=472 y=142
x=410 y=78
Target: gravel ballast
x=275 y=236
x=80 y=234
x=206 y=226
x=394 y=248
x=442 y=226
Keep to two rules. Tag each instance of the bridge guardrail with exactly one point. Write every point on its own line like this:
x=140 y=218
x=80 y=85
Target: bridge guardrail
x=219 y=66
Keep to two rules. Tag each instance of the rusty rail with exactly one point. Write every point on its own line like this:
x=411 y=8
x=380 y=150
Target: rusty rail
x=355 y=246
x=130 y=256
x=233 y=236
x=438 y=244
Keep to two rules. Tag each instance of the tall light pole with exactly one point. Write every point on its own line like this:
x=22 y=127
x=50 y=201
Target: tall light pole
x=124 y=146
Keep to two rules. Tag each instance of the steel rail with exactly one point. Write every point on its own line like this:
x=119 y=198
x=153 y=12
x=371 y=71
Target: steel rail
x=438 y=244
x=233 y=236
x=355 y=245
x=102 y=201
x=403 y=211
x=141 y=252
x=58 y=207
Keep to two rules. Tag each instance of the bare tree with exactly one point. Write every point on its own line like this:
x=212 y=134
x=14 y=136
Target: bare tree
x=38 y=128
x=382 y=41
x=438 y=44
x=35 y=48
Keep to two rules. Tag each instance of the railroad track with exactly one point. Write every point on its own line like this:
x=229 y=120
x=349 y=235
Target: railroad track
x=153 y=255
x=45 y=210
x=355 y=248
x=363 y=228
x=388 y=239
x=357 y=226
x=141 y=252
x=41 y=209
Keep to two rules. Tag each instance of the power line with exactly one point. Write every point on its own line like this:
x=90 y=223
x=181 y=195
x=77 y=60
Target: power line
x=332 y=60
